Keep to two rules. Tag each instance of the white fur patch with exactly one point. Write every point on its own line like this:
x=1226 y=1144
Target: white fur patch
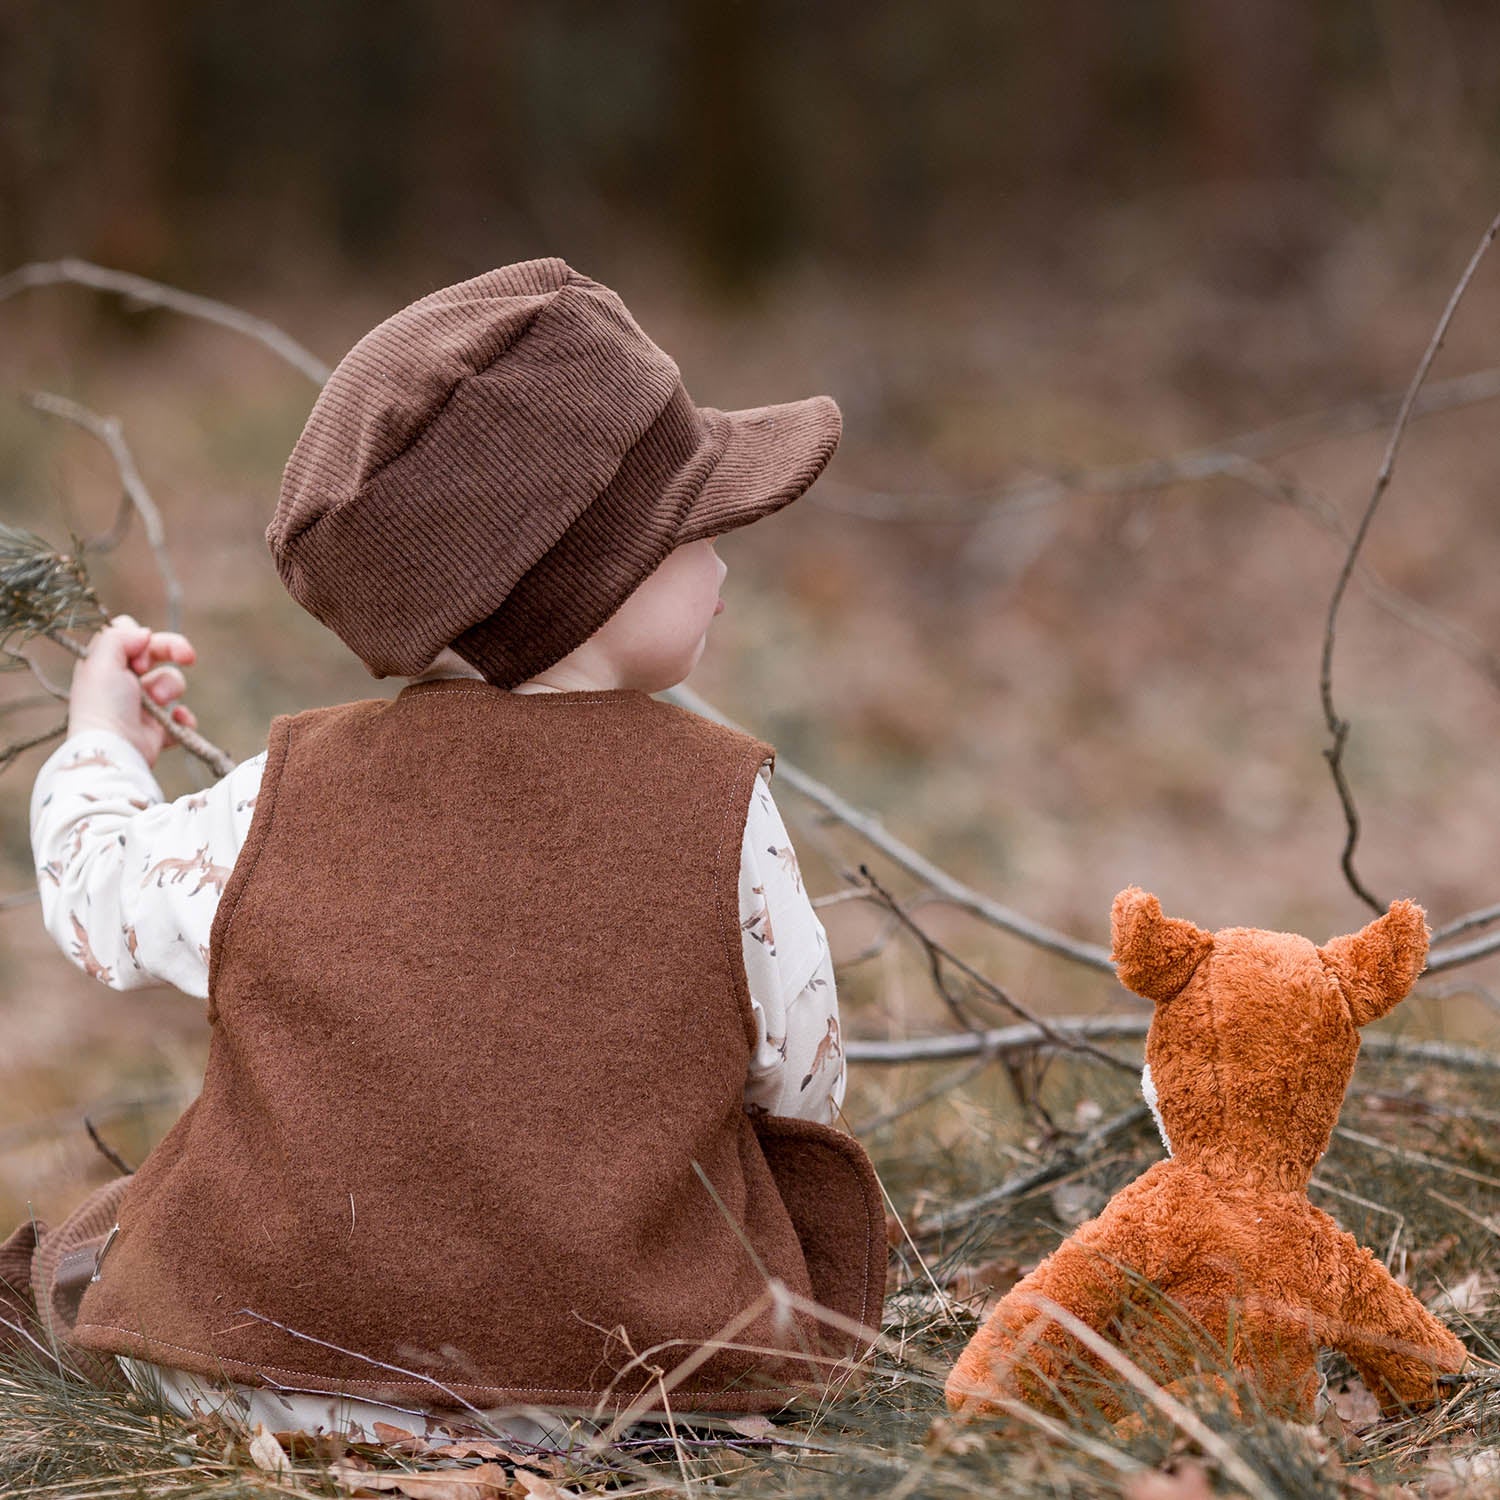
x=1148 y=1092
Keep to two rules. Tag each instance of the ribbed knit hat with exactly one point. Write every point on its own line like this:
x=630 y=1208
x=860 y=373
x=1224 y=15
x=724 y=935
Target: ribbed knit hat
x=498 y=466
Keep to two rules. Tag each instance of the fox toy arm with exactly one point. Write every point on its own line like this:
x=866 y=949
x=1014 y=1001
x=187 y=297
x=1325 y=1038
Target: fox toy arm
x=1398 y=1347
x=1021 y=1353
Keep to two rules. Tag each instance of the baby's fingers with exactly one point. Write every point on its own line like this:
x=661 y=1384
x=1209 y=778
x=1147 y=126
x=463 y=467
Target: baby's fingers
x=163 y=684
x=162 y=646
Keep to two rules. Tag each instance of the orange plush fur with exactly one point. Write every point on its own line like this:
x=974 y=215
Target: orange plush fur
x=1251 y=1048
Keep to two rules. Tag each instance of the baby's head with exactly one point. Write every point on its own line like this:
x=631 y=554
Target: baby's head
x=511 y=469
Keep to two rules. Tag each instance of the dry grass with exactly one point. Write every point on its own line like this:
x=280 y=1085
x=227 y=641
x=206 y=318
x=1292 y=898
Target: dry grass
x=889 y=1436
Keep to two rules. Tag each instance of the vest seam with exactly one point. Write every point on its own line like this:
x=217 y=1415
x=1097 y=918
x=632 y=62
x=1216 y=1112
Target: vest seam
x=256 y=840
x=401 y=1385
x=590 y=699
x=739 y=982
x=816 y=1138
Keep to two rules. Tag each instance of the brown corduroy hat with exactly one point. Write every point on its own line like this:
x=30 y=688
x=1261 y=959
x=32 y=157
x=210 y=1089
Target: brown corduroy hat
x=499 y=465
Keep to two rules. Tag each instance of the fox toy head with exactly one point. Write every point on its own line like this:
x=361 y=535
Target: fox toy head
x=1255 y=1033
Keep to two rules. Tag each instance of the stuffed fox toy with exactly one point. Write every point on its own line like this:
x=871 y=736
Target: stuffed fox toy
x=1215 y=1257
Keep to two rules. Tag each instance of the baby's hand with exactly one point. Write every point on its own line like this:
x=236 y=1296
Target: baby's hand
x=122 y=658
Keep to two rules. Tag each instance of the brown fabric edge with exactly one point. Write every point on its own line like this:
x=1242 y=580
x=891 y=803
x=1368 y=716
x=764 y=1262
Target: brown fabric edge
x=278 y=742
x=20 y=1331
x=435 y=1394
x=755 y=754
x=829 y=1185
x=61 y=1266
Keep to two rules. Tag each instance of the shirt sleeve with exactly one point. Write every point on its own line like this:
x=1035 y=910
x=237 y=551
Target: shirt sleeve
x=798 y=1065
x=130 y=882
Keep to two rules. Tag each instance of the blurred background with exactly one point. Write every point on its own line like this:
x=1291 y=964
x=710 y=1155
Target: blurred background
x=1021 y=244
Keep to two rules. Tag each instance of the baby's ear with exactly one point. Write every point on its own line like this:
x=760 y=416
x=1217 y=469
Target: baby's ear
x=1378 y=965
x=1154 y=955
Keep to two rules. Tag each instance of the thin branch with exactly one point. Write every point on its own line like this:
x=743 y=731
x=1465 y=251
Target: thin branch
x=30 y=742
x=1417 y=617
x=947 y=1084
x=28 y=897
x=1462 y=953
x=943 y=1048
x=1338 y=727
x=1486 y=916
x=107 y=1151
x=938 y=956
x=154 y=294
x=109 y=432
x=46 y=684
x=873 y=832
x=1073 y=1155
x=1193 y=465
x=219 y=761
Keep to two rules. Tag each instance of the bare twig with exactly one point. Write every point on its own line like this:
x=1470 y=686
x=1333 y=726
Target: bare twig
x=873 y=832
x=1463 y=953
x=1073 y=1155
x=30 y=742
x=219 y=761
x=945 y=1048
x=955 y=1079
x=138 y=289
x=1193 y=465
x=25 y=663
x=1415 y=1158
x=938 y=956
x=27 y=897
x=1417 y=617
x=1486 y=916
x=1338 y=727
x=107 y=1151
x=109 y=432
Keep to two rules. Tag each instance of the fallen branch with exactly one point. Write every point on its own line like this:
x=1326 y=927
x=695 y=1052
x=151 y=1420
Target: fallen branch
x=927 y=1049
x=939 y=956
x=1062 y=1162
x=138 y=289
x=1462 y=953
x=955 y=892
x=110 y=433
x=1338 y=727
x=1192 y=466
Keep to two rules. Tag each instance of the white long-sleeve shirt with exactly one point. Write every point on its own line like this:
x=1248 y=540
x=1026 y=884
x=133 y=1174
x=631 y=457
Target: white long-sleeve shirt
x=130 y=884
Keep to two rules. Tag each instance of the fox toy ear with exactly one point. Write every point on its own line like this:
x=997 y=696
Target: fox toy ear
x=1377 y=965
x=1154 y=955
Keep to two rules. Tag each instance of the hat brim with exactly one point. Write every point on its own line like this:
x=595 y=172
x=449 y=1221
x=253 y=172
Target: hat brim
x=771 y=455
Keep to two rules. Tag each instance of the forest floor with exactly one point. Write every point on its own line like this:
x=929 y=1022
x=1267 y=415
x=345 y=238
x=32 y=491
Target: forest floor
x=1051 y=687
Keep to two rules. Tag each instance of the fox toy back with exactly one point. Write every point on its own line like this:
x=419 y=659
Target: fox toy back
x=1251 y=1048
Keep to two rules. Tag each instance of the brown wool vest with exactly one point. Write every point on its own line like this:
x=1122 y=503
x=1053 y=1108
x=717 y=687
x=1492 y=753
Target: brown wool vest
x=480 y=1021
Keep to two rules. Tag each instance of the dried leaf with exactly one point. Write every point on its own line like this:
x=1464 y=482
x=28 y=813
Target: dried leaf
x=1356 y=1406
x=266 y=1453
x=1464 y=1298
x=388 y=1434
x=752 y=1427
x=529 y=1486
x=987 y=1282
x=477 y=1448
x=1470 y=1476
x=487 y=1482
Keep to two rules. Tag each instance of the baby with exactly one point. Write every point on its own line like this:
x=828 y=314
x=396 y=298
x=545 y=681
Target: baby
x=524 y=1033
